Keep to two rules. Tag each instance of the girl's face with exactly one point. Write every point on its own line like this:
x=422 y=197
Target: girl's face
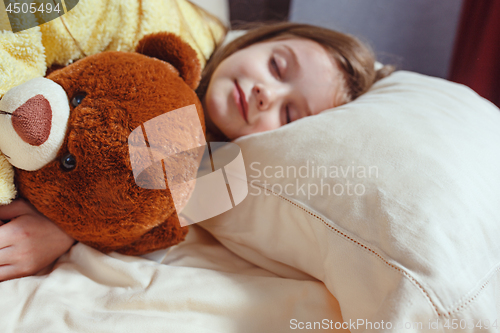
x=270 y=84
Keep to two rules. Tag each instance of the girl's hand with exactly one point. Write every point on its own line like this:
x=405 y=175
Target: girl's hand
x=29 y=242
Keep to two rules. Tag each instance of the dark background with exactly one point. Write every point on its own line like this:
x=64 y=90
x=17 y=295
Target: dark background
x=242 y=11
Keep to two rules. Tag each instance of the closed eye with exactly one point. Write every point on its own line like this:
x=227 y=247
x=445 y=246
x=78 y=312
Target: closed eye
x=286 y=115
x=290 y=114
x=275 y=67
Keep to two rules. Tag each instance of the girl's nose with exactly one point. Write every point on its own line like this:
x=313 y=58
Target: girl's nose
x=263 y=97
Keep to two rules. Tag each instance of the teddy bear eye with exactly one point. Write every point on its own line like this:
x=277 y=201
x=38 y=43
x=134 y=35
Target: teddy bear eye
x=77 y=100
x=68 y=162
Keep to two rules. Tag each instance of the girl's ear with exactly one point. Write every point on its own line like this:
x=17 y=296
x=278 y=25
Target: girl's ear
x=171 y=48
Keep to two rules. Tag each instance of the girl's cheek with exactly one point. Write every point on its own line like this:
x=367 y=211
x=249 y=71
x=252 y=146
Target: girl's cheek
x=265 y=124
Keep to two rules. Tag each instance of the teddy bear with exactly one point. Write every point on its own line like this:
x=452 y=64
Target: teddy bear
x=93 y=152
x=30 y=53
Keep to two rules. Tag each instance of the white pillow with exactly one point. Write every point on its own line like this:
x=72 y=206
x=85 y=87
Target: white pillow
x=414 y=236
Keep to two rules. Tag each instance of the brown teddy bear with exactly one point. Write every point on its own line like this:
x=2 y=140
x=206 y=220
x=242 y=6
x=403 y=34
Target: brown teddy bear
x=88 y=140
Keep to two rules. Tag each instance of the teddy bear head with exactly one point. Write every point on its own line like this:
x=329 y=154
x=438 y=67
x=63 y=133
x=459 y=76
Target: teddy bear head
x=90 y=147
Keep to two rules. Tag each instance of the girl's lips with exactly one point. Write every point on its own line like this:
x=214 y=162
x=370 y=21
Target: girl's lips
x=241 y=101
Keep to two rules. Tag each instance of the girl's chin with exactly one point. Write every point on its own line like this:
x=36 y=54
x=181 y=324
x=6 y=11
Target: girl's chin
x=232 y=131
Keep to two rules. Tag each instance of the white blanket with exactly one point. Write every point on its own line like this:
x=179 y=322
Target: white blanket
x=196 y=286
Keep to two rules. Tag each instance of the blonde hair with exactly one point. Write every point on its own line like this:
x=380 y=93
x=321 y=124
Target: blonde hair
x=355 y=59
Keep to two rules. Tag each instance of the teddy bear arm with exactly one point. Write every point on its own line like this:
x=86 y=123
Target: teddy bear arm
x=165 y=235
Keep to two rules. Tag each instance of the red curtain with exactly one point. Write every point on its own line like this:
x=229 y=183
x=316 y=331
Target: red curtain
x=476 y=56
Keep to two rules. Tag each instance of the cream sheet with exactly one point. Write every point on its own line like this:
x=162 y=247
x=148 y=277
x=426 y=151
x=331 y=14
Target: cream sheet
x=196 y=286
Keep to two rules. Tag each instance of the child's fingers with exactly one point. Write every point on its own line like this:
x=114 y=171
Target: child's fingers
x=13 y=265
x=16 y=208
x=11 y=234
x=6 y=255
x=8 y=272
x=5 y=239
x=5 y=262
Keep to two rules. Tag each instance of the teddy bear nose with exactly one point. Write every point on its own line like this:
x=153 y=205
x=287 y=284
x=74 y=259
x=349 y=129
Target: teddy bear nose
x=32 y=120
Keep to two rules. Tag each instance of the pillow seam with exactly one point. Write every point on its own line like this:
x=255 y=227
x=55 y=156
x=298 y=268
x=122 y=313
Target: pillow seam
x=454 y=309
x=373 y=252
x=462 y=304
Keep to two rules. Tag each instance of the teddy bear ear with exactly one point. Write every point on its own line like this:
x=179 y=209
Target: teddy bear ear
x=171 y=48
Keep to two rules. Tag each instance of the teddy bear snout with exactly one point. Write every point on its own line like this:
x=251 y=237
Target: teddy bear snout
x=33 y=123
x=32 y=120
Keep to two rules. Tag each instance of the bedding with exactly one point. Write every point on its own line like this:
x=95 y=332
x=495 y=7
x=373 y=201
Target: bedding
x=392 y=200
x=196 y=286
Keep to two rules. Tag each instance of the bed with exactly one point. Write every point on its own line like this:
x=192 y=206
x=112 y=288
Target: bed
x=416 y=246
x=413 y=249
x=197 y=286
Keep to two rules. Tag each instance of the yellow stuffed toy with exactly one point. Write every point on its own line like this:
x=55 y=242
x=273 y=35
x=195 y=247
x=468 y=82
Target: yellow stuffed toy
x=91 y=27
x=7 y=188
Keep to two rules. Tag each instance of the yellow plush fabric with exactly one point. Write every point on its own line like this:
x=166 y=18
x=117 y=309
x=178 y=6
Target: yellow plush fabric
x=22 y=58
x=95 y=26
x=118 y=25
x=101 y=25
x=7 y=188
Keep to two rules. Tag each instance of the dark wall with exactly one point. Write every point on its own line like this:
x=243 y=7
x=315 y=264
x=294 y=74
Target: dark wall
x=244 y=11
x=416 y=35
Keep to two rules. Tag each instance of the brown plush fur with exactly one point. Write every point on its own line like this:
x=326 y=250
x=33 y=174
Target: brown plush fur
x=98 y=202
x=182 y=58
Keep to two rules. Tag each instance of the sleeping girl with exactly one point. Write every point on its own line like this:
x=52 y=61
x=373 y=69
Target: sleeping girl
x=269 y=77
